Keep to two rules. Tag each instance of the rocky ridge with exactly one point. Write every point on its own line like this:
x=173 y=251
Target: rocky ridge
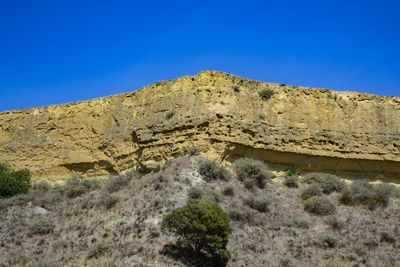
x=221 y=114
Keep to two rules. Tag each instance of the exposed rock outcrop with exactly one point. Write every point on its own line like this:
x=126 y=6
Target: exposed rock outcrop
x=222 y=114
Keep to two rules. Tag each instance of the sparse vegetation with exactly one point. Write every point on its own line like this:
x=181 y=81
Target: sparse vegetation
x=259 y=204
x=270 y=226
x=169 y=114
x=320 y=206
x=329 y=183
x=229 y=191
x=13 y=182
x=311 y=191
x=252 y=172
x=364 y=193
x=193 y=151
x=236 y=88
x=201 y=225
x=266 y=93
x=195 y=193
x=211 y=171
x=291 y=182
x=42 y=227
x=116 y=183
x=109 y=201
x=98 y=250
x=75 y=186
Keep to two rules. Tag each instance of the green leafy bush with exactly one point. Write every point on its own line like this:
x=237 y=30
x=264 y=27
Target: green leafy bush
x=311 y=191
x=320 y=206
x=266 y=93
x=202 y=226
x=211 y=171
x=329 y=183
x=14 y=182
x=252 y=172
x=364 y=193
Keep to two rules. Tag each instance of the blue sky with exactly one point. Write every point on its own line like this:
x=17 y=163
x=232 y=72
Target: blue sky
x=61 y=51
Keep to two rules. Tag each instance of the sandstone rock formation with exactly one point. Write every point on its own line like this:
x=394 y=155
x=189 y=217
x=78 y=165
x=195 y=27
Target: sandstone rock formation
x=222 y=114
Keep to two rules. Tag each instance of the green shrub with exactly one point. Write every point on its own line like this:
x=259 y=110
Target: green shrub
x=311 y=191
x=42 y=227
x=320 y=205
x=195 y=193
x=14 y=182
x=193 y=151
x=291 y=182
x=329 y=183
x=266 y=93
x=75 y=187
x=364 y=193
x=252 y=172
x=202 y=226
x=259 y=204
x=238 y=215
x=211 y=171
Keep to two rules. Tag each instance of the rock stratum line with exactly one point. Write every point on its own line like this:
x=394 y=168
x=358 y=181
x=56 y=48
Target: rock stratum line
x=223 y=115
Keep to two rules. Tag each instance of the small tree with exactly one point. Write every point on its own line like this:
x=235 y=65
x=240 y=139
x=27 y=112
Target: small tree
x=14 y=182
x=202 y=226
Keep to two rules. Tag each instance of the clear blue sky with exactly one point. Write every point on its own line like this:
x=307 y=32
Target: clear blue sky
x=59 y=51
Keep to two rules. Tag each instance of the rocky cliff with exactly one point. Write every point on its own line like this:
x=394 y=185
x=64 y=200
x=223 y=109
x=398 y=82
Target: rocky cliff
x=223 y=115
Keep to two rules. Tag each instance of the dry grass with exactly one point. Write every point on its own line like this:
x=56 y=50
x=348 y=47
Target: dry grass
x=87 y=226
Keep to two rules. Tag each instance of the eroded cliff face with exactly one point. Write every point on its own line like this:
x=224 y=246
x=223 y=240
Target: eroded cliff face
x=222 y=114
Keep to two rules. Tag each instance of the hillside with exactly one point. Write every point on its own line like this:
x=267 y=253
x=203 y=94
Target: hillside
x=116 y=222
x=225 y=115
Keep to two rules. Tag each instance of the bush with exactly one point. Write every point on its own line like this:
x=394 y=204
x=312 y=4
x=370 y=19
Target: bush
x=291 y=182
x=320 y=206
x=259 y=204
x=364 y=193
x=195 y=193
x=311 y=191
x=229 y=191
x=334 y=223
x=328 y=241
x=14 y=182
x=75 y=187
x=252 y=172
x=211 y=171
x=202 y=226
x=193 y=151
x=329 y=183
x=116 y=183
x=266 y=93
x=42 y=227
x=109 y=201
